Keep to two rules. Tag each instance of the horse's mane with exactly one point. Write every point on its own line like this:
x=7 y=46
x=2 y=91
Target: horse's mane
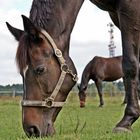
x=41 y=11
x=22 y=55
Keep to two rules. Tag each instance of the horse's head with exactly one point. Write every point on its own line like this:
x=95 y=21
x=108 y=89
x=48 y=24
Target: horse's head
x=47 y=77
x=82 y=95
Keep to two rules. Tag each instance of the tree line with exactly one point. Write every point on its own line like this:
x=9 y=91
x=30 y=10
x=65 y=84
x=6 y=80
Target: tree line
x=109 y=88
x=16 y=87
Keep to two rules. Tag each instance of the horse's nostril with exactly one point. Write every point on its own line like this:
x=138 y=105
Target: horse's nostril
x=33 y=131
x=39 y=70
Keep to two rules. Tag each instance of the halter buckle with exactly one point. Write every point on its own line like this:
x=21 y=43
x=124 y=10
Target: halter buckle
x=58 y=53
x=64 y=67
x=49 y=102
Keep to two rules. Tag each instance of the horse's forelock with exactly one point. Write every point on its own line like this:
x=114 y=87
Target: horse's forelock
x=22 y=55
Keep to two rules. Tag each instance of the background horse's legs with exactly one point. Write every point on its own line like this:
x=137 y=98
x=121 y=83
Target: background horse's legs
x=131 y=44
x=98 y=83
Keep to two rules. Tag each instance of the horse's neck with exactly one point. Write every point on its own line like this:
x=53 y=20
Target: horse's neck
x=43 y=15
x=84 y=81
x=57 y=17
x=107 y=5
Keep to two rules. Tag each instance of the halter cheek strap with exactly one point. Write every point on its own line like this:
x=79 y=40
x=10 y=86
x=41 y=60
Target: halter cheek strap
x=49 y=102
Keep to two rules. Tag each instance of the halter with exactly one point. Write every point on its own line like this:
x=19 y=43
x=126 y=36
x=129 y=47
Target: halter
x=49 y=101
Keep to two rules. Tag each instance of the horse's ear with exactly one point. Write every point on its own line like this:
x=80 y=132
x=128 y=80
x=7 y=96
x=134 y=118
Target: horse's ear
x=29 y=27
x=17 y=33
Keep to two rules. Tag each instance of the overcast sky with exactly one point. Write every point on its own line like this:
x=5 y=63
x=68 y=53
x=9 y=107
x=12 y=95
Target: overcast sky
x=90 y=37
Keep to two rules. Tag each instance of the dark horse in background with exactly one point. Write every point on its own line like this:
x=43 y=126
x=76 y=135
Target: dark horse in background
x=47 y=69
x=100 y=69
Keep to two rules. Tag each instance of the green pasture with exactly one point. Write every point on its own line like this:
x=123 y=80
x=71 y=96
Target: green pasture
x=73 y=123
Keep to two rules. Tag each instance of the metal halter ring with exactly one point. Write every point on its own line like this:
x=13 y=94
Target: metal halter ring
x=75 y=78
x=64 y=67
x=49 y=102
x=58 y=53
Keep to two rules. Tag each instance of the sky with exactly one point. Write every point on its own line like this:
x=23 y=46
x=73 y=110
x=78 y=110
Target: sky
x=90 y=37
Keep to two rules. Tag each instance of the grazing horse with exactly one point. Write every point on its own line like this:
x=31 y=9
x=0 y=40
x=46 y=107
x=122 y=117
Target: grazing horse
x=100 y=69
x=44 y=63
x=41 y=65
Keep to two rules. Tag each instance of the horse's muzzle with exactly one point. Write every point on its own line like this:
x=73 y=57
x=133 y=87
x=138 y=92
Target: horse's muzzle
x=82 y=104
x=35 y=131
x=32 y=131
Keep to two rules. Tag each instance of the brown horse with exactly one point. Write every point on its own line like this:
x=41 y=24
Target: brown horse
x=44 y=62
x=40 y=68
x=100 y=69
x=48 y=76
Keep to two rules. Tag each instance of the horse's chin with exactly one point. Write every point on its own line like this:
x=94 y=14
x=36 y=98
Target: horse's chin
x=82 y=104
x=50 y=130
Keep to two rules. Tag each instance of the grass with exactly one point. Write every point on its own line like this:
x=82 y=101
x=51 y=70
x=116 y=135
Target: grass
x=73 y=123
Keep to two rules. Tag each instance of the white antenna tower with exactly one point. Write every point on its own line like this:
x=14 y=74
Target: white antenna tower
x=111 y=45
